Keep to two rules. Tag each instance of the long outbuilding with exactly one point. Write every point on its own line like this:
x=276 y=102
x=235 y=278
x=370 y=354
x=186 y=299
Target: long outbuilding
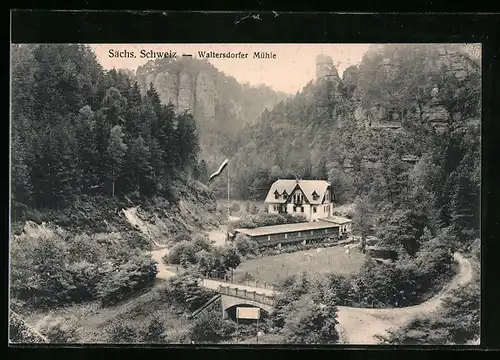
x=292 y=233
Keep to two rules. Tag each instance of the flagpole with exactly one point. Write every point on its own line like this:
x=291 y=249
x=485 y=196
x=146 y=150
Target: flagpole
x=228 y=206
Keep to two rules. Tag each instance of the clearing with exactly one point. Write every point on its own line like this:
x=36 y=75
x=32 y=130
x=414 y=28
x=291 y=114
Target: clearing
x=319 y=261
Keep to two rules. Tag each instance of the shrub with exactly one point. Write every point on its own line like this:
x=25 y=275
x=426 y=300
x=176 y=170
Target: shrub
x=154 y=332
x=121 y=332
x=20 y=333
x=59 y=332
x=85 y=280
x=234 y=207
x=137 y=273
x=39 y=270
x=210 y=328
x=263 y=219
x=218 y=261
x=251 y=208
x=246 y=277
x=183 y=291
x=456 y=323
x=245 y=246
x=312 y=323
x=201 y=242
x=183 y=251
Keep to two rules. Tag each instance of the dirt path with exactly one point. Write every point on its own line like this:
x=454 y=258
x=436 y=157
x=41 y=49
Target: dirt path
x=218 y=236
x=164 y=272
x=361 y=325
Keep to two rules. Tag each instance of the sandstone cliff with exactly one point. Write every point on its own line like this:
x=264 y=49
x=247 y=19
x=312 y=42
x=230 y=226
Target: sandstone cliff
x=220 y=105
x=386 y=67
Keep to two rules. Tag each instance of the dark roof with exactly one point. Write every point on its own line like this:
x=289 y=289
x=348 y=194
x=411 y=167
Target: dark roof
x=307 y=187
x=287 y=228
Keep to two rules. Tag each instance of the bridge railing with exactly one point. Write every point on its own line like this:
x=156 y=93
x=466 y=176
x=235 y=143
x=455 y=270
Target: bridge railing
x=246 y=294
x=253 y=283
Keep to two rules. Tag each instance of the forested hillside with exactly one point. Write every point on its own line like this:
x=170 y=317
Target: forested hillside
x=86 y=145
x=399 y=138
x=80 y=131
x=336 y=131
x=220 y=104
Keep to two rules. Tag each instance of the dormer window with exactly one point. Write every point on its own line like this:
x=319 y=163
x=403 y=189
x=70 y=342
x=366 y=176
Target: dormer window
x=276 y=194
x=315 y=195
x=285 y=195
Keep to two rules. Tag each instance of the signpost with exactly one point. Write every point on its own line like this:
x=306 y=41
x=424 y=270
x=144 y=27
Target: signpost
x=247 y=313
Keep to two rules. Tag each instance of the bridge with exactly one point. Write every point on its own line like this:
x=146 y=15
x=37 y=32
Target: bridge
x=232 y=295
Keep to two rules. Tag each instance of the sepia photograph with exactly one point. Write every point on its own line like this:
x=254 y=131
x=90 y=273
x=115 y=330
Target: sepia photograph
x=167 y=194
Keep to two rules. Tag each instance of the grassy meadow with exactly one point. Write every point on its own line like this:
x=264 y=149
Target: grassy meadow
x=316 y=262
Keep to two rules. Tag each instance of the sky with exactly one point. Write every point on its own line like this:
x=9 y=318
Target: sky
x=293 y=67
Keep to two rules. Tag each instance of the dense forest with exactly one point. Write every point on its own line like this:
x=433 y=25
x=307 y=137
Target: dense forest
x=85 y=144
x=78 y=130
x=220 y=105
x=320 y=134
x=84 y=139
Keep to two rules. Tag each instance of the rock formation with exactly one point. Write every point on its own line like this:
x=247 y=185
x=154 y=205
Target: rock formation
x=166 y=85
x=185 y=99
x=205 y=95
x=150 y=78
x=325 y=69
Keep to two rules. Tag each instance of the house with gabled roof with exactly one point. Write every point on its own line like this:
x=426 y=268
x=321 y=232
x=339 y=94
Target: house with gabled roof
x=311 y=198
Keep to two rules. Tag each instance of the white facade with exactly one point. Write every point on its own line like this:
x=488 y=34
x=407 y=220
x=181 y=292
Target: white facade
x=345 y=228
x=309 y=198
x=311 y=212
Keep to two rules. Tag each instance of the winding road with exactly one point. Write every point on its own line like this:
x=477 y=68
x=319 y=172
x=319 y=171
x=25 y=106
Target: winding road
x=362 y=325
x=163 y=271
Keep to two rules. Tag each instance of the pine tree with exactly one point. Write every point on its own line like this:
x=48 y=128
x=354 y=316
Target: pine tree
x=85 y=143
x=166 y=138
x=20 y=174
x=115 y=155
x=187 y=142
x=363 y=219
x=464 y=208
x=140 y=155
x=113 y=107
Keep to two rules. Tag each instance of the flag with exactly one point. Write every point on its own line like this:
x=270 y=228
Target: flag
x=217 y=173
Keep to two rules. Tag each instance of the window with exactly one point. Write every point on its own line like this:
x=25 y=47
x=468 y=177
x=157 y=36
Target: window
x=298 y=234
x=326 y=231
x=295 y=209
x=276 y=195
x=286 y=236
x=268 y=237
x=275 y=208
x=301 y=209
x=314 y=209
